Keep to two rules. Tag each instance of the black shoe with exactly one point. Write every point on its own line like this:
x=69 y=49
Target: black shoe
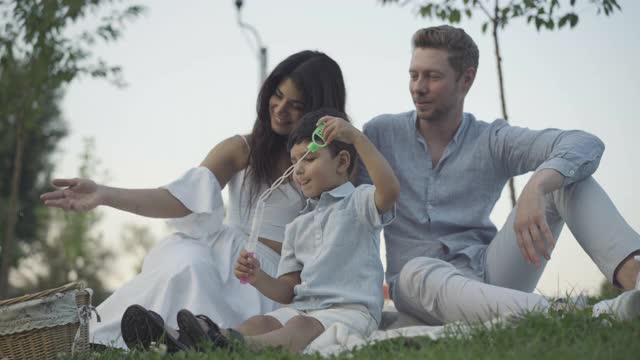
x=141 y=327
x=190 y=326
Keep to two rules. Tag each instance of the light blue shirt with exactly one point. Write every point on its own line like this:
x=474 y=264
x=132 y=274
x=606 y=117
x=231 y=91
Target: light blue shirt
x=443 y=212
x=335 y=244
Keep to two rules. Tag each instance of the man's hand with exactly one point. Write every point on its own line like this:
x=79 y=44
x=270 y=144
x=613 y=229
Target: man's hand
x=339 y=129
x=531 y=225
x=246 y=268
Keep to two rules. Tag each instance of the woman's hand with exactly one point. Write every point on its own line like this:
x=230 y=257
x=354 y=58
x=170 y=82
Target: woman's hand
x=77 y=195
x=246 y=268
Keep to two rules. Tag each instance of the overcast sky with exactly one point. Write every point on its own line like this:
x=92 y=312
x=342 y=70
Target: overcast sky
x=193 y=81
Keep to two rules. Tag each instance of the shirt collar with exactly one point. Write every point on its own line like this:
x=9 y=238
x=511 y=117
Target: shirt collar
x=463 y=127
x=412 y=122
x=337 y=192
x=341 y=191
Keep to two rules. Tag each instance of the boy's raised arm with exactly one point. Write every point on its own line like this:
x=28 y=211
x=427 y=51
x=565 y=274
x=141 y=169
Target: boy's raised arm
x=380 y=172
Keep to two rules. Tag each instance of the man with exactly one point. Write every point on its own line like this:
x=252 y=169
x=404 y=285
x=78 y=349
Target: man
x=446 y=261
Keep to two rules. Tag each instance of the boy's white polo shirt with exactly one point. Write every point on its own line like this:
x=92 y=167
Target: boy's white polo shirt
x=335 y=244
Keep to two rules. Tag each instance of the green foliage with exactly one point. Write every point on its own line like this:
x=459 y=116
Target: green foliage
x=36 y=169
x=35 y=39
x=559 y=335
x=39 y=56
x=71 y=249
x=544 y=14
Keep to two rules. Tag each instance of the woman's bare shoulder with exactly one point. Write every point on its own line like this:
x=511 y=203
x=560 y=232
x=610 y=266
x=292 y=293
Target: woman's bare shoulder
x=228 y=157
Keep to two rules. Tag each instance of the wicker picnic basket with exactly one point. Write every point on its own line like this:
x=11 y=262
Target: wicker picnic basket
x=46 y=324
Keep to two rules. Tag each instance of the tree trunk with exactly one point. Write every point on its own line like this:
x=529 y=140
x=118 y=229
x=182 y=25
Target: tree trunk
x=9 y=240
x=512 y=187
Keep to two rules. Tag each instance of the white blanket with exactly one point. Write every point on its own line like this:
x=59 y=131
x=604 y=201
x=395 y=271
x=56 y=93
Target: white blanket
x=339 y=338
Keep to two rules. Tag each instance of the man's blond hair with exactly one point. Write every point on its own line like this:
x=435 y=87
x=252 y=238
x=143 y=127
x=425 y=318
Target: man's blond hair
x=463 y=51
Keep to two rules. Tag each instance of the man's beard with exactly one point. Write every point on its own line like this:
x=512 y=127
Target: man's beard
x=435 y=116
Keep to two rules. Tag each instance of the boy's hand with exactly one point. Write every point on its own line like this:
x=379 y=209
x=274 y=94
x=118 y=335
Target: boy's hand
x=336 y=128
x=246 y=267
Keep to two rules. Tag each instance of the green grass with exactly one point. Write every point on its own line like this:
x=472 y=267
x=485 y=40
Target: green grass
x=561 y=335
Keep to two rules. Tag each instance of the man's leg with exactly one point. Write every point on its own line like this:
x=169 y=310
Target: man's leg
x=624 y=307
x=626 y=274
x=595 y=223
x=504 y=264
x=436 y=292
x=295 y=335
x=599 y=229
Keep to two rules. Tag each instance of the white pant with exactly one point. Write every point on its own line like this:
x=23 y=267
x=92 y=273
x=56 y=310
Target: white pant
x=438 y=292
x=355 y=317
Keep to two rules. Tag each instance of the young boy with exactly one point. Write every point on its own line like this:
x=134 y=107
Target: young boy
x=330 y=269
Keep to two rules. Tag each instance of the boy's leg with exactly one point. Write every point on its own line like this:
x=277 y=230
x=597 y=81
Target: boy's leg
x=595 y=223
x=259 y=324
x=200 y=329
x=436 y=292
x=295 y=335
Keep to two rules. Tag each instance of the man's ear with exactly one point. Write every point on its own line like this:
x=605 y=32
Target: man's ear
x=344 y=160
x=467 y=78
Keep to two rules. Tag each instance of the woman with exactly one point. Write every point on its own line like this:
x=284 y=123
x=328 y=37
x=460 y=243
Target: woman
x=192 y=268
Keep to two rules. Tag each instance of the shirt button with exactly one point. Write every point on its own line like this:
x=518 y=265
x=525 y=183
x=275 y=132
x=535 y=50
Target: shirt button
x=572 y=172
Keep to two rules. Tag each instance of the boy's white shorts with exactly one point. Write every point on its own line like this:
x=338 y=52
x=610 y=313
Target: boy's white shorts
x=356 y=317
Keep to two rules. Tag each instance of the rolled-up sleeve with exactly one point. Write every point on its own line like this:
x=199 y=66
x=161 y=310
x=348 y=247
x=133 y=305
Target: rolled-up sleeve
x=364 y=205
x=575 y=154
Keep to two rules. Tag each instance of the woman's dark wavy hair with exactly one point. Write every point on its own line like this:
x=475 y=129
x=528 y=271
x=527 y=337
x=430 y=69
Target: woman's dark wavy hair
x=319 y=80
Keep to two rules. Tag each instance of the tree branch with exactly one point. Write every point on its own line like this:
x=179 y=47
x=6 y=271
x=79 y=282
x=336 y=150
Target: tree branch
x=485 y=11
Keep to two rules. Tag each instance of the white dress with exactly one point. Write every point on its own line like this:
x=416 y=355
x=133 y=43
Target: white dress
x=193 y=267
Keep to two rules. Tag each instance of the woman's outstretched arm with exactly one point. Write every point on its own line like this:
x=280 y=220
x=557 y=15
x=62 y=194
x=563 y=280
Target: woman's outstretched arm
x=224 y=161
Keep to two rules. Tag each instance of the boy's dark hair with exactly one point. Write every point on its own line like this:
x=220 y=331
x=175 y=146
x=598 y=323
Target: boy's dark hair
x=307 y=124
